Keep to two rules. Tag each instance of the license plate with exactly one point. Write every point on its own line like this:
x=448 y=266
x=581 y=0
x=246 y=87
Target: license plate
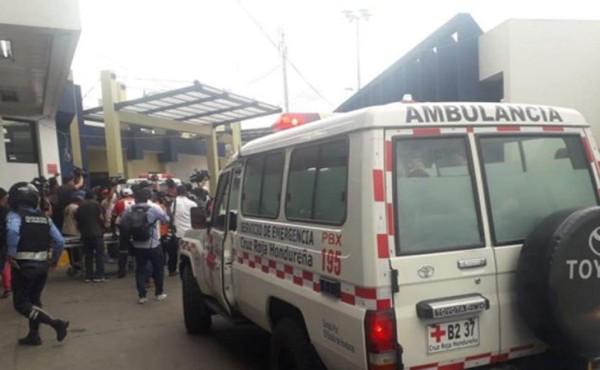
x=452 y=335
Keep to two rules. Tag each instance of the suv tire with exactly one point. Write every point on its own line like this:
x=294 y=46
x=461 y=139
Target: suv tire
x=291 y=348
x=558 y=280
x=196 y=315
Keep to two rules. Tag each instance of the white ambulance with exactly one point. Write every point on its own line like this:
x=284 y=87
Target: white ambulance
x=408 y=236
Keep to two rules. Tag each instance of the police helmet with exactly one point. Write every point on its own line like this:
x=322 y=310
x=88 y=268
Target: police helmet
x=23 y=194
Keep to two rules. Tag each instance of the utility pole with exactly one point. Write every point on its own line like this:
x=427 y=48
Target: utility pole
x=356 y=17
x=283 y=52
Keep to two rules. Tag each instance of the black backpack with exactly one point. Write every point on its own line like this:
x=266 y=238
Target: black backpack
x=140 y=227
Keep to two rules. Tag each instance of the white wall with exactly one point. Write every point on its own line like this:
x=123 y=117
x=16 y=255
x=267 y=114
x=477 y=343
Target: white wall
x=553 y=62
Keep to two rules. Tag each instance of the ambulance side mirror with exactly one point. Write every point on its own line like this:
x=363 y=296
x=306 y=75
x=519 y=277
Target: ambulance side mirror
x=199 y=218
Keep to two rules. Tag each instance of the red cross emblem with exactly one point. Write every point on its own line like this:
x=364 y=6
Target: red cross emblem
x=438 y=333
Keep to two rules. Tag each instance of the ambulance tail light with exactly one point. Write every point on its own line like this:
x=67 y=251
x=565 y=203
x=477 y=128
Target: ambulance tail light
x=291 y=120
x=380 y=329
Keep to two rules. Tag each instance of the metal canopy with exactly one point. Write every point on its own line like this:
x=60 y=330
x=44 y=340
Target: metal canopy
x=197 y=104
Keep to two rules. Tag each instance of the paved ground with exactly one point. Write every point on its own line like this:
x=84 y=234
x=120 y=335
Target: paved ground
x=110 y=330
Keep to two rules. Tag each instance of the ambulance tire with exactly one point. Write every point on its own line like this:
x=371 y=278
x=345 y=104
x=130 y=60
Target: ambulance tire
x=556 y=302
x=196 y=314
x=291 y=348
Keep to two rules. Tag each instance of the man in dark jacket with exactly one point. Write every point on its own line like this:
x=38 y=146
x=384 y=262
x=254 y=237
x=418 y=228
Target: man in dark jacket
x=90 y=221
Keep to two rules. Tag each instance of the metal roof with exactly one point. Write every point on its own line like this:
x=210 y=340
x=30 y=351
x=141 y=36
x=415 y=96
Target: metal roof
x=36 y=51
x=443 y=67
x=198 y=104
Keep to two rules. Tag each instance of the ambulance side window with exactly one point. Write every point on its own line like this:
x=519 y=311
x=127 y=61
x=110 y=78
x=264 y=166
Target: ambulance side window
x=317 y=183
x=434 y=195
x=261 y=190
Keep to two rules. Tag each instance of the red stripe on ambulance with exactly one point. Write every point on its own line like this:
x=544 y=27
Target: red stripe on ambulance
x=427 y=131
x=553 y=128
x=390 y=218
x=369 y=293
x=388 y=156
x=383 y=250
x=508 y=128
x=588 y=150
x=378 y=188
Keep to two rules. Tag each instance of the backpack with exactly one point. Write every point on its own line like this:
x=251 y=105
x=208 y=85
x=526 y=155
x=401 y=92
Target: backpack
x=140 y=227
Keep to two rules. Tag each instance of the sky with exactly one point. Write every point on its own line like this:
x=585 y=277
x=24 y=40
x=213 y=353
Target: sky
x=158 y=45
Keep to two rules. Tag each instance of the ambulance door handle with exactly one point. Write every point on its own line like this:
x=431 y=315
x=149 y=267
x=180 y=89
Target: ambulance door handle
x=472 y=263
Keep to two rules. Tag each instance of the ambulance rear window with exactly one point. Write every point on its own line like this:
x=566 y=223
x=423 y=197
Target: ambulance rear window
x=529 y=177
x=434 y=193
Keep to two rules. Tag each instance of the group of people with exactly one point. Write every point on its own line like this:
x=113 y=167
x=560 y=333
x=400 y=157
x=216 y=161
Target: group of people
x=147 y=223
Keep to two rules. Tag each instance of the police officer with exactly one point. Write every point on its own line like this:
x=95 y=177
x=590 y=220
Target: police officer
x=29 y=234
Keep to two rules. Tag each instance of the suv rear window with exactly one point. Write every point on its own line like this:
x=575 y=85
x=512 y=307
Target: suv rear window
x=529 y=177
x=434 y=193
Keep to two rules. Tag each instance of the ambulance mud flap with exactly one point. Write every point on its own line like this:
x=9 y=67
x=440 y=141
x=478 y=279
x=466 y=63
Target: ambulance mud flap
x=452 y=306
x=558 y=281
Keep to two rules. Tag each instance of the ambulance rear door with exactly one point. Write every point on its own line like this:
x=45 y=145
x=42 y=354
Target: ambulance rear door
x=446 y=301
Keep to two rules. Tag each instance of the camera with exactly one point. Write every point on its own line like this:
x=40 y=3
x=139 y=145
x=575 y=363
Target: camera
x=79 y=172
x=117 y=180
x=199 y=176
x=40 y=183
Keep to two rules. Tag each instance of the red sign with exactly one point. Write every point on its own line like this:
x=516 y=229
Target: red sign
x=52 y=168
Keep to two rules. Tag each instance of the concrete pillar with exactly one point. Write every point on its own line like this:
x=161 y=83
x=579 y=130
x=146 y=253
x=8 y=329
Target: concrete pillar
x=5 y=182
x=212 y=157
x=75 y=142
x=49 y=153
x=236 y=136
x=111 y=91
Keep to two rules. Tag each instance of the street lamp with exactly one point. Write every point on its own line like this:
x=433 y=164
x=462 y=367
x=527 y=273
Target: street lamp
x=356 y=17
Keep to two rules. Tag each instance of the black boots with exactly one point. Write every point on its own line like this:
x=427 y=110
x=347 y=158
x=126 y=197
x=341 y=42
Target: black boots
x=33 y=338
x=59 y=326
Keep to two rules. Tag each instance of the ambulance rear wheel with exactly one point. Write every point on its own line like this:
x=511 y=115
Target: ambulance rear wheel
x=558 y=280
x=291 y=348
x=196 y=315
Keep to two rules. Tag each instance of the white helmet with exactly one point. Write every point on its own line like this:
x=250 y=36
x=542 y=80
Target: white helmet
x=126 y=192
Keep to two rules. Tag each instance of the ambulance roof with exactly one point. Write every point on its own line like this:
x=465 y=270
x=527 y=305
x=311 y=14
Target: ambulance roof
x=403 y=115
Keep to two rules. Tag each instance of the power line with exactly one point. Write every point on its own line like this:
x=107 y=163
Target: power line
x=276 y=46
x=91 y=89
x=265 y=75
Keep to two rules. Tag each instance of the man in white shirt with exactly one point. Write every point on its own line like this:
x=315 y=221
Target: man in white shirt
x=181 y=210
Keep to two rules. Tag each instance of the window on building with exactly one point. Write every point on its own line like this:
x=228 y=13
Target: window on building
x=262 y=185
x=317 y=183
x=20 y=141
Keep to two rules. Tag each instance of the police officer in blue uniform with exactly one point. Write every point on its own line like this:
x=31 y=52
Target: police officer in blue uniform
x=29 y=235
